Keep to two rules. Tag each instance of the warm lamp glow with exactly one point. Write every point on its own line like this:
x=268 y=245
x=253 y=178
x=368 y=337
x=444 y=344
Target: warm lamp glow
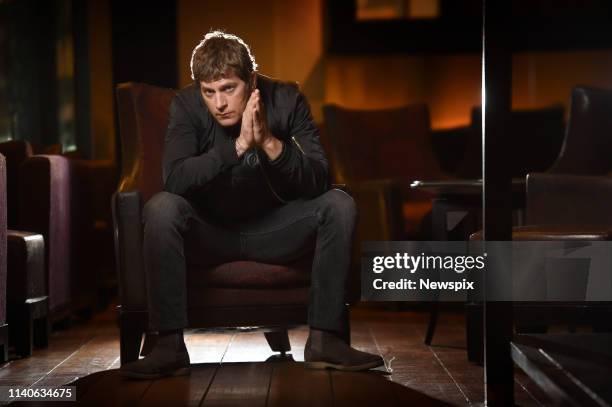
x=397 y=9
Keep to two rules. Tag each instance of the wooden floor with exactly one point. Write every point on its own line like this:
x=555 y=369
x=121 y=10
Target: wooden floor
x=236 y=368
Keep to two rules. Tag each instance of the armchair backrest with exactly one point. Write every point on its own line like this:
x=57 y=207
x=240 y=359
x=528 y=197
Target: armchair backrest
x=45 y=208
x=15 y=152
x=536 y=136
x=385 y=143
x=143 y=119
x=587 y=148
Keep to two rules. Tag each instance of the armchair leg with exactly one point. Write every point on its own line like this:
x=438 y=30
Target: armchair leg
x=41 y=328
x=278 y=341
x=30 y=324
x=22 y=324
x=24 y=343
x=41 y=332
x=433 y=321
x=475 y=332
x=131 y=328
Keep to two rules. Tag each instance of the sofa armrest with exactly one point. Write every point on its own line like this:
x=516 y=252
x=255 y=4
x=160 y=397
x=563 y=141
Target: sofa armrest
x=568 y=200
x=127 y=227
x=26 y=266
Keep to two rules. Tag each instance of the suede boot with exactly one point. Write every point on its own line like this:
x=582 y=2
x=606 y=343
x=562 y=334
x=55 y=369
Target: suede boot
x=169 y=357
x=325 y=350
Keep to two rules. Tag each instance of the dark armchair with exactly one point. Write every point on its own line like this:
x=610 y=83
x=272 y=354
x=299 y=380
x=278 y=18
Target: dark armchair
x=229 y=295
x=377 y=154
x=39 y=201
x=574 y=194
x=536 y=134
x=570 y=202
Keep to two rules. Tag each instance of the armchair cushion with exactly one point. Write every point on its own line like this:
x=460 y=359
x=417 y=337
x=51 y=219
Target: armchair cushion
x=566 y=207
x=535 y=232
x=201 y=296
x=249 y=274
x=555 y=233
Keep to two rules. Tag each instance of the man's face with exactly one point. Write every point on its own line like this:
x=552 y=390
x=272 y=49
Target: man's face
x=225 y=98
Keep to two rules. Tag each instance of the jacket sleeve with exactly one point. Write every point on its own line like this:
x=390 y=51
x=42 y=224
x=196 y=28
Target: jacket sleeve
x=184 y=167
x=302 y=167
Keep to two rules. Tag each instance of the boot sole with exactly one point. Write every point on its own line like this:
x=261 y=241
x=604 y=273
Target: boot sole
x=344 y=368
x=184 y=371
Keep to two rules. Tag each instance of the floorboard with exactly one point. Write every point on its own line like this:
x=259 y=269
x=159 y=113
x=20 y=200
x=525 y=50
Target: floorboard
x=294 y=385
x=236 y=367
x=180 y=391
x=113 y=390
x=239 y=384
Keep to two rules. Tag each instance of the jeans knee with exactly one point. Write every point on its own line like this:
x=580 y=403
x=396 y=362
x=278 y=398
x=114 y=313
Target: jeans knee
x=163 y=209
x=340 y=206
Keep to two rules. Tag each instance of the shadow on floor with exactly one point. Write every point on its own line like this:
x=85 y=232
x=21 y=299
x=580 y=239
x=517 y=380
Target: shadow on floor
x=271 y=383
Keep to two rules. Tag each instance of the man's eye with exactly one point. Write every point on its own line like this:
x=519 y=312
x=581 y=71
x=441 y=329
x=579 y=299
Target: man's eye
x=229 y=89
x=208 y=92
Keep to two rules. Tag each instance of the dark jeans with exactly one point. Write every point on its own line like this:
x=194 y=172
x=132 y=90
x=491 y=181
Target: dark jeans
x=174 y=228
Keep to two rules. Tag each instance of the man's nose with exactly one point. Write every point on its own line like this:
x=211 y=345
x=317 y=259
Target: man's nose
x=220 y=102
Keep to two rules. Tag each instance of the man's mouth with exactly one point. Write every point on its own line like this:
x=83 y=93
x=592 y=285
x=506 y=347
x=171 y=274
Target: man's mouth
x=224 y=115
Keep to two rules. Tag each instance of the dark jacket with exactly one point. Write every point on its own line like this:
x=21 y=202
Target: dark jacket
x=201 y=164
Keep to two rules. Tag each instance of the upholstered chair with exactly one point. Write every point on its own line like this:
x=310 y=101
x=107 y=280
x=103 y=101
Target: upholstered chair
x=241 y=293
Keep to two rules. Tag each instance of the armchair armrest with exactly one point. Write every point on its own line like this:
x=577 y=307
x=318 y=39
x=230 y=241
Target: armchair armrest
x=26 y=265
x=569 y=200
x=127 y=227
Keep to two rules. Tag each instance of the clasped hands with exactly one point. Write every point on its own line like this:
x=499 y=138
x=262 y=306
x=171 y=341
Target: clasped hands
x=254 y=130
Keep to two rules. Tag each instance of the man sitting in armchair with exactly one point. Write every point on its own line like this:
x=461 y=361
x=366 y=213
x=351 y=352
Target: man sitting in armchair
x=245 y=178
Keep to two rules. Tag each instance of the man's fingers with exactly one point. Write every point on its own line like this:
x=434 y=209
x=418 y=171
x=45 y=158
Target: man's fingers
x=258 y=117
x=256 y=121
x=254 y=97
x=254 y=115
x=250 y=103
x=255 y=126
